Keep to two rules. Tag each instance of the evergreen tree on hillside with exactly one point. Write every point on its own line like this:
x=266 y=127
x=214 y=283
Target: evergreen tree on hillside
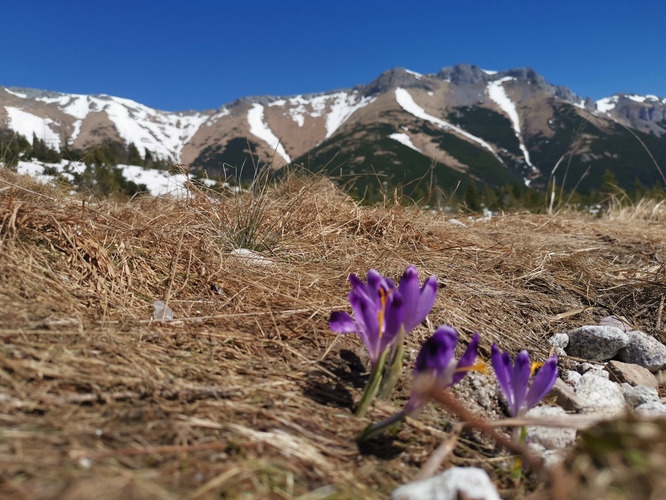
x=133 y=155
x=41 y=152
x=12 y=147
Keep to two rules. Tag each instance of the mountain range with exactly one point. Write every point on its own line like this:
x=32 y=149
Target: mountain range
x=404 y=129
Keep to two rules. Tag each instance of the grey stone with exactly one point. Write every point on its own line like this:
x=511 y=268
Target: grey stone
x=596 y=343
x=631 y=373
x=599 y=395
x=457 y=482
x=643 y=350
x=565 y=396
x=651 y=409
x=641 y=394
x=598 y=370
x=617 y=321
x=559 y=340
x=551 y=438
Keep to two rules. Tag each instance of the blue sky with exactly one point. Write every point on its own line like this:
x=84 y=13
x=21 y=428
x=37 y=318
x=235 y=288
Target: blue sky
x=202 y=54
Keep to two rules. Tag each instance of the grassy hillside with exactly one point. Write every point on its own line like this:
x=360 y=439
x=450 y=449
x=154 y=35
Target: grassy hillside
x=370 y=164
x=616 y=149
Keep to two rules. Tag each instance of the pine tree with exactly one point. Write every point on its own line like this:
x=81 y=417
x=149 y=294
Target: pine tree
x=133 y=155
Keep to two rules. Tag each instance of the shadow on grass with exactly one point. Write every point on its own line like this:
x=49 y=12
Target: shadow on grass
x=383 y=446
x=347 y=369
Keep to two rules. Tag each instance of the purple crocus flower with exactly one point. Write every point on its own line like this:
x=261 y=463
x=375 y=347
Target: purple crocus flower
x=378 y=313
x=436 y=368
x=418 y=300
x=382 y=310
x=514 y=380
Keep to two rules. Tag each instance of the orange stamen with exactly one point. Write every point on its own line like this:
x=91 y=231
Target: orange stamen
x=478 y=367
x=383 y=298
x=535 y=366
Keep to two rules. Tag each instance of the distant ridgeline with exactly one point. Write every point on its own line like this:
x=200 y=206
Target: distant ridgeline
x=462 y=136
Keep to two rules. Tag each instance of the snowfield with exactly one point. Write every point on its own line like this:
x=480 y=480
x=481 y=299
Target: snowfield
x=406 y=101
x=403 y=138
x=28 y=124
x=497 y=93
x=158 y=182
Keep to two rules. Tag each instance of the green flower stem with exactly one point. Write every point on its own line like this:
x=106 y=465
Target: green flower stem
x=393 y=369
x=373 y=385
x=374 y=429
x=517 y=470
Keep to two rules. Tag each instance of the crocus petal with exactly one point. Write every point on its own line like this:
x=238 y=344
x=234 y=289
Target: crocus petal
x=437 y=352
x=358 y=286
x=466 y=360
x=542 y=383
x=418 y=300
x=520 y=381
x=503 y=367
x=410 y=289
x=341 y=322
x=365 y=314
x=393 y=317
x=432 y=367
x=375 y=280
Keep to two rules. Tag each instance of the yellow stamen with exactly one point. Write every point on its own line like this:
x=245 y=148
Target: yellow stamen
x=478 y=367
x=535 y=366
x=383 y=297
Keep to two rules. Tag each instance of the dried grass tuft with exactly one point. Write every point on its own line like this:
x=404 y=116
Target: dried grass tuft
x=247 y=392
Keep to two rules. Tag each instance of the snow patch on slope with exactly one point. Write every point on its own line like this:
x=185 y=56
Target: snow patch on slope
x=341 y=105
x=258 y=128
x=158 y=182
x=406 y=101
x=163 y=133
x=607 y=103
x=17 y=94
x=342 y=108
x=414 y=73
x=28 y=124
x=403 y=138
x=497 y=93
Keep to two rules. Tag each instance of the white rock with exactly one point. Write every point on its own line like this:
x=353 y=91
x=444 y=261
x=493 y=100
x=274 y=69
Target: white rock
x=559 y=352
x=550 y=457
x=559 y=340
x=571 y=377
x=551 y=438
x=162 y=311
x=458 y=482
x=598 y=370
x=640 y=395
x=651 y=409
x=248 y=257
x=599 y=395
x=457 y=222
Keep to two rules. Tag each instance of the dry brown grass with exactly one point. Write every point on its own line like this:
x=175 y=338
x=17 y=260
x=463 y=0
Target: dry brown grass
x=248 y=393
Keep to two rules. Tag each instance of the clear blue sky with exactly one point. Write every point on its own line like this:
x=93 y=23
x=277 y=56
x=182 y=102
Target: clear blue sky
x=202 y=54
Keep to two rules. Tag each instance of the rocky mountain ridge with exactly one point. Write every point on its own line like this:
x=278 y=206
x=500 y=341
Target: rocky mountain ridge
x=466 y=123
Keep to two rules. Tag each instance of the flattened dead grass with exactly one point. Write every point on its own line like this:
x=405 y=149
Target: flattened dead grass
x=247 y=393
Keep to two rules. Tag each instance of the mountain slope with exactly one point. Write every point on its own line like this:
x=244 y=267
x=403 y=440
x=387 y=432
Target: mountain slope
x=465 y=122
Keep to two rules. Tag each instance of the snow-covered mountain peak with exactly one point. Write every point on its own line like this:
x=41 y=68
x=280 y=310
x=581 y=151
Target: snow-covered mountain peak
x=163 y=133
